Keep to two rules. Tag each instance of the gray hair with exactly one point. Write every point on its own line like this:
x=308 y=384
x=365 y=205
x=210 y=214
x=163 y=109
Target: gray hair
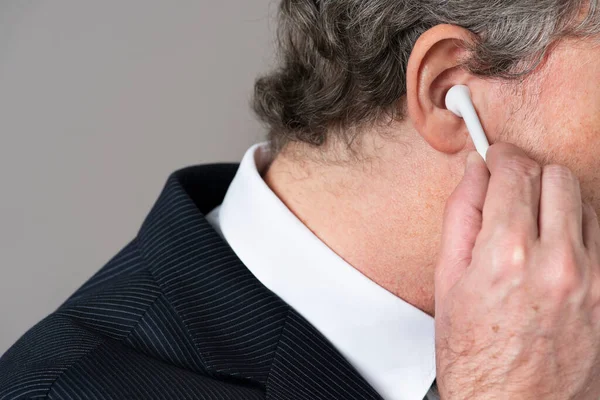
x=343 y=62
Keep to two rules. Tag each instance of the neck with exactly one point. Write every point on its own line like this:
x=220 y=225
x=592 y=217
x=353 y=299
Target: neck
x=381 y=213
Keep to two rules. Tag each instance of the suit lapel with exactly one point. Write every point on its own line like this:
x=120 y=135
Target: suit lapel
x=308 y=367
x=242 y=331
x=233 y=321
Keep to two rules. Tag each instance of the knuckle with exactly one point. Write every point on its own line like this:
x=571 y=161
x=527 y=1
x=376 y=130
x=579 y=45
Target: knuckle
x=510 y=256
x=515 y=257
x=566 y=257
x=560 y=174
x=518 y=165
x=562 y=276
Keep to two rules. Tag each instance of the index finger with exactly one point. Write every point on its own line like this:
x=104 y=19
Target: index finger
x=513 y=197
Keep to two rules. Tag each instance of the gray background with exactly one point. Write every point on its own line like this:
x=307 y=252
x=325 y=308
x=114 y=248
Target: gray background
x=99 y=102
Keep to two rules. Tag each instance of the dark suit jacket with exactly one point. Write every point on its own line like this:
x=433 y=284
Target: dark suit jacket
x=176 y=315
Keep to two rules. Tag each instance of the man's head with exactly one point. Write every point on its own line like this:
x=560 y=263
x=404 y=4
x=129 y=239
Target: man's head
x=345 y=64
x=369 y=78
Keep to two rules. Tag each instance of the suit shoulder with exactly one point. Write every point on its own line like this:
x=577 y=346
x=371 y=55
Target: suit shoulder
x=108 y=306
x=60 y=359
x=42 y=355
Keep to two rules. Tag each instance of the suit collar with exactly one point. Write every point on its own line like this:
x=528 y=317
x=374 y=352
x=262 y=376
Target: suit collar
x=241 y=330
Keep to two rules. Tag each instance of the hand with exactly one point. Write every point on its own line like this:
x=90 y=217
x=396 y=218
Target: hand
x=517 y=301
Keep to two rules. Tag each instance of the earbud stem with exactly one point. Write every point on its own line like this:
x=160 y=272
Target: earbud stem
x=475 y=129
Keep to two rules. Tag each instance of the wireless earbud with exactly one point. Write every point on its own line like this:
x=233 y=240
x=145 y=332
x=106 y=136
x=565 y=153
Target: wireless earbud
x=458 y=101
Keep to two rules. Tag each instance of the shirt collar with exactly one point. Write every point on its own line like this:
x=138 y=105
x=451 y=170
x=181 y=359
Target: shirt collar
x=388 y=341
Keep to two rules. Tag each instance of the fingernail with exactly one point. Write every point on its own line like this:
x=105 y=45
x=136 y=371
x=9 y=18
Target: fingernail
x=471 y=160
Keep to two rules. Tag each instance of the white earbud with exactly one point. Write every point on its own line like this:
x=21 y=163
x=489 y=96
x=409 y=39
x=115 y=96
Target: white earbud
x=458 y=101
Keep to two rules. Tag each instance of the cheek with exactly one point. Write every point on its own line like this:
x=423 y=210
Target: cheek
x=567 y=107
x=568 y=129
x=559 y=122
x=566 y=132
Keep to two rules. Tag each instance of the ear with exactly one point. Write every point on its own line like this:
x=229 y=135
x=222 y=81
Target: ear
x=433 y=68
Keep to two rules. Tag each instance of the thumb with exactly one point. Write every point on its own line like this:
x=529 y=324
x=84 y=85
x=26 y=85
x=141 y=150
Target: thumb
x=462 y=223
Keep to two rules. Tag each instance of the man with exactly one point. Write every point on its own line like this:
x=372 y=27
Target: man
x=316 y=271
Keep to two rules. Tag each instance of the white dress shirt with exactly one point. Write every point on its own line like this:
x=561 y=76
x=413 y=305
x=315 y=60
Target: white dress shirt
x=388 y=341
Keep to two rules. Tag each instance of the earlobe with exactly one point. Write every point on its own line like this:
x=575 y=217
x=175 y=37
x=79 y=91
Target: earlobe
x=433 y=68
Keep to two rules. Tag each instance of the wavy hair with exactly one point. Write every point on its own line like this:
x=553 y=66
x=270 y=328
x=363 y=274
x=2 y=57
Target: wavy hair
x=342 y=63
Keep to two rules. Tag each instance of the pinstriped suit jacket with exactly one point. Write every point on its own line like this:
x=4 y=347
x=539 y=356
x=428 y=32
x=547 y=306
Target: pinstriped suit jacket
x=176 y=315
